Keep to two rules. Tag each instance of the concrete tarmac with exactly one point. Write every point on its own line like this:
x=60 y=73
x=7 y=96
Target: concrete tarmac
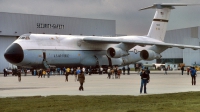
x=96 y=84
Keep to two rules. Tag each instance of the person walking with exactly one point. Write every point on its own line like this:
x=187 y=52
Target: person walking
x=144 y=80
x=193 y=75
x=81 y=78
x=67 y=74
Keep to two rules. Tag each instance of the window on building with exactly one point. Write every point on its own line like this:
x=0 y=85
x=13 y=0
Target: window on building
x=169 y=60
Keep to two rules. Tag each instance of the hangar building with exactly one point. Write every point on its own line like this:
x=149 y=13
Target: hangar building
x=12 y=25
x=187 y=36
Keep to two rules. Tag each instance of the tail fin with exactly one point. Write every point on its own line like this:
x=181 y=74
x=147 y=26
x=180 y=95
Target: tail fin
x=160 y=20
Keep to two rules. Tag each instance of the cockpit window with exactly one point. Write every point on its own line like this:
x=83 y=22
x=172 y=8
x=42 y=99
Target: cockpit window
x=24 y=37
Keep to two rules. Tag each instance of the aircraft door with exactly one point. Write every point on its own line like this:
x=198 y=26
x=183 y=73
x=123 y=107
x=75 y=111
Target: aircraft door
x=44 y=56
x=45 y=64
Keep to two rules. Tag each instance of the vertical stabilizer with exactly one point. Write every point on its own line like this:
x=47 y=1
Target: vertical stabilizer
x=159 y=24
x=160 y=20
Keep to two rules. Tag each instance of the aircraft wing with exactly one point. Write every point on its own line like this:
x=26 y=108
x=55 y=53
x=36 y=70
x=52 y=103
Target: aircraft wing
x=113 y=40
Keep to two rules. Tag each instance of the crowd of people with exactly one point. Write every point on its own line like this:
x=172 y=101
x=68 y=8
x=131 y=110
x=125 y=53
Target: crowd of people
x=79 y=74
x=115 y=72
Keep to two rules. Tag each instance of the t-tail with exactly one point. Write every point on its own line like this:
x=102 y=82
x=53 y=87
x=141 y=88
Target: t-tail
x=160 y=20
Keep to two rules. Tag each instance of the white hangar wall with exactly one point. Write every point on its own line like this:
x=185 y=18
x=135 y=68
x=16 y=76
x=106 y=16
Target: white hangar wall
x=16 y=24
x=12 y=25
x=187 y=36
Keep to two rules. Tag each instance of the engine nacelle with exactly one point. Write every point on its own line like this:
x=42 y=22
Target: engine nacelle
x=115 y=52
x=149 y=55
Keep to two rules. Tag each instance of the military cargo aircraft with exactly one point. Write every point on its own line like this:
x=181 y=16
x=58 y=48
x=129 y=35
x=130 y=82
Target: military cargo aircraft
x=45 y=50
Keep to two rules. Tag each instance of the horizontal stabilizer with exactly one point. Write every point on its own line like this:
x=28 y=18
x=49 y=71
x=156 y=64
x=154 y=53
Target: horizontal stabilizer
x=166 y=5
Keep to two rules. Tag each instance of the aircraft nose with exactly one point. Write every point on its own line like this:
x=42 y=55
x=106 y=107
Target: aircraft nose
x=14 y=53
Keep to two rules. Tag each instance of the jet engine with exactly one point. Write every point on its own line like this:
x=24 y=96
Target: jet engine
x=115 y=52
x=149 y=55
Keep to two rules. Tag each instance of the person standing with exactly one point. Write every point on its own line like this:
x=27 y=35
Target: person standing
x=19 y=75
x=78 y=72
x=81 y=78
x=123 y=69
x=128 y=70
x=90 y=70
x=193 y=75
x=101 y=70
x=112 y=72
x=4 y=72
x=119 y=73
x=48 y=72
x=44 y=73
x=115 y=70
x=72 y=71
x=25 y=72
x=83 y=69
x=40 y=73
x=165 y=71
x=144 y=80
x=188 y=70
x=67 y=74
x=182 y=69
x=64 y=71
x=109 y=72
x=75 y=75
x=147 y=71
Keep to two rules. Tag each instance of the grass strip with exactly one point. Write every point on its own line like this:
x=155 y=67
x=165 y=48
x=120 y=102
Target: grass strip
x=175 y=102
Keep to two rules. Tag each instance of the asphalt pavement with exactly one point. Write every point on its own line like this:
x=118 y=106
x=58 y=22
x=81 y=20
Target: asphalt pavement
x=96 y=84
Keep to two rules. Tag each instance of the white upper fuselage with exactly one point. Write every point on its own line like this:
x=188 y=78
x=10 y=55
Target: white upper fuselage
x=73 y=42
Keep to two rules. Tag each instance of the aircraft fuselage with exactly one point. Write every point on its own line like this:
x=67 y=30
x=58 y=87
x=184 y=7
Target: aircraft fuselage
x=63 y=51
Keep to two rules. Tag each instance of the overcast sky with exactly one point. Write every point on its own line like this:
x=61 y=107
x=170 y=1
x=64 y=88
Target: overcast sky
x=129 y=20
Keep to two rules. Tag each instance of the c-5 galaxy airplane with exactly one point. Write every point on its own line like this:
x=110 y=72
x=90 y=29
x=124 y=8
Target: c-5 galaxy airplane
x=42 y=50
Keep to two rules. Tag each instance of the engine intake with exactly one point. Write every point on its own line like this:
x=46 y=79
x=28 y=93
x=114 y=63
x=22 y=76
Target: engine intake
x=149 y=55
x=115 y=52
